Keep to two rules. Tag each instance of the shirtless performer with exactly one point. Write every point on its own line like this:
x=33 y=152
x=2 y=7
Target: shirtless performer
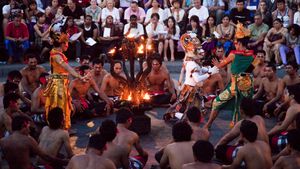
x=180 y=151
x=53 y=137
x=254 y=153
x=194 y=119
x=203 y=153
x=116 y=153
x=224 y=151
x=271 y=87
x=38 y=99
x=155 y=82
x=18 y=147
x=79 y=90
x=31 y=74
x=98 y=71
x=258 y=72
x=92 y=159
x=128 y=138
x=290 y=161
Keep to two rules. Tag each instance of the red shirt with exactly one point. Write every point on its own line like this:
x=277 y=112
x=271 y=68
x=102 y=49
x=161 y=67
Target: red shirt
x=14 y=31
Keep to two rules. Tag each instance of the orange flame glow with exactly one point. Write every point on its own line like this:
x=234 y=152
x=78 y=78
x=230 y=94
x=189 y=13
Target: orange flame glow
x=146 y=96
x=129 y=98
x=112 y=51
x=130 y=36
x=140 y=49
x=149 y=47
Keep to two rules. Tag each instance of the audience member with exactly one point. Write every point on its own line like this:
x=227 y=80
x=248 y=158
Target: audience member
x=134 y=9
x=283 y=13
x=94 y=11
x=258 y=32
x=200 y=11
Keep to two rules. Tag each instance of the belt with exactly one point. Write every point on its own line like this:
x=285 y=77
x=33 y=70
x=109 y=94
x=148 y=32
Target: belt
x=58 y=76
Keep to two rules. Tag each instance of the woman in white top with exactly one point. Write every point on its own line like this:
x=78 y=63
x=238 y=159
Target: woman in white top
x=155 y=9
x=173 y=31
x=110 y=10
x=176 y=11
x=155 y=31
x=297 y=16
x=94 y=11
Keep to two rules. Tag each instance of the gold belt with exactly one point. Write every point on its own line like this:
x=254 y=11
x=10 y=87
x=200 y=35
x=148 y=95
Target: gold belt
x=58 y=76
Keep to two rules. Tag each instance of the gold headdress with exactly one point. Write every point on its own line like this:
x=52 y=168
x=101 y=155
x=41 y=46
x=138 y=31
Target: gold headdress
x=241 y=31
x=190 y=42
x=60 y=37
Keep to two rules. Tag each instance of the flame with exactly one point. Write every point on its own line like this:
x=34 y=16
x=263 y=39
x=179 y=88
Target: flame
x=149 y=47
x=130 y=35
x=112 y=51
x=140 y=49
x=129 y=98
x=146 y=96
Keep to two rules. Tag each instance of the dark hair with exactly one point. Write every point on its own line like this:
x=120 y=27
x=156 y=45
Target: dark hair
x=123 y=115
x=193 y=114
x=155 y=15
x=32 y=3
x=55 y=118
x=85 y=57
x=113 y=65
x=247 y=107
x=296 y=29
x=174 y=1
x=19 y=121
x=278 y=20
x=10 y=87
x=203 y=151
x=280 y=1
x=249 y=130
x=14 y=74
x=294 y=65
x=238 y=1
x=88 y=16
x=226 y=16
x=260 y=51
x=174 y=25
x=108 y=130
x=293 y=138
x=244 y=41
x=195 y=18
x=133 y=17
x=156 y=57
x=43 y=75
x=40 y=14
x=182 y=131
x=96 y=141
x=207 y=29
x=10 y=97
x=65 y=26
x=271 y=65
x=294 y=90
x=98 y=61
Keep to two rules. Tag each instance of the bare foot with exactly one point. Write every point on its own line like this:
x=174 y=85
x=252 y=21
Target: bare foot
x=166 y=59
x=172 y=59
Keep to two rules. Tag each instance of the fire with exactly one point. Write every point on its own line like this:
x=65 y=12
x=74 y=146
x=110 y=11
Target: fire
x=140 y=49
x=112 y=51
x=130 y=35
x=149 y=47
x=146 y=96
x=129 y=98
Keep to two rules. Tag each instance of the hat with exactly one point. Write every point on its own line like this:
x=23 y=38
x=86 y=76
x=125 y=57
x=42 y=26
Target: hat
x=190 y=42
x=241 y=31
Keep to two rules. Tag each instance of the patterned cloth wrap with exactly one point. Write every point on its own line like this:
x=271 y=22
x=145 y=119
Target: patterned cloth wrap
x=278 y=142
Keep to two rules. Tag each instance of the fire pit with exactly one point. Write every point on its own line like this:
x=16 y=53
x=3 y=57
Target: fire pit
x=134 y=94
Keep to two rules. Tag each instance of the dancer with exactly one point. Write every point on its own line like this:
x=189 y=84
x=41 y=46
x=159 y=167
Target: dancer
x=241 y=85
x=57 y=92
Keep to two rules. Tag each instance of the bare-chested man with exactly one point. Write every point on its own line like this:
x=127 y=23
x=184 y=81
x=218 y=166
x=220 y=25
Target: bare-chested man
x=155 y=82
x=127 y=138
x=210 y=88
x=38 y=99
x=203 y=153
x=98 y=72
x=194 y=119
x=258 y=72
x=111 y=85
x=225 y=73
x=271 y=89
x=80 y=92
x=18 y=147
x=92 y=159
x=254 y=153
x=180 y=151
x=53 y=137
x=291 y=161
x=31 y=74
x=116 y=153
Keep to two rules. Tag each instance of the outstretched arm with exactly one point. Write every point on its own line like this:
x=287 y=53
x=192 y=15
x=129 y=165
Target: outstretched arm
x=224 y=62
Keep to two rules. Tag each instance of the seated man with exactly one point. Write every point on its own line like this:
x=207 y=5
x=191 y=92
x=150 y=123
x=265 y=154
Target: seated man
x=116 y=153
x=258 y=72
x=203 y=153
x=98 y=72
x=155 y=83
x=31 y=74
x=18 y=147
x=133 y=28
x=254 y=153
x=270 y=90
x=180 y=151
x=16 y=39
x=194 y=120
x=53 y=137
x=134 y=9
x=92 y=159
x=81 y=100
x=128 y=139
x=258 y=32
x=223 y=150
x=290 y=161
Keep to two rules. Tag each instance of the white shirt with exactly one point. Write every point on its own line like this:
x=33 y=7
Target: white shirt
x=136 y=32
x=210 y=3
x=125 y=3
x=114 y=13
x=159 y=29
x=161 y=14
x=169 y=13
x=194 y=73
x=177 y=34
x=202 y=13
x=6 y=9
x=297 y=18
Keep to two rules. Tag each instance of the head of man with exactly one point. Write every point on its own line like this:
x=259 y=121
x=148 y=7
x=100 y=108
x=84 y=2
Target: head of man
x=98 y=66
x=54 y=3
x=193 y=115
x=14 y=76
x=134 y=6
x=21 y=124
x=109 y=4
x=293 y=92
x=84 y=70
x=133 y=20
x=93 y=3
x=220 y=52
x=181 y=132
x=56 y=118
x=124 y=116
x=11 y=101
x=117 y=67
x=280 y=5
x=291 y=68
x=108 y=130
x=71 y=4
x=270 y=70
x=17 y=19
x=260 y=54
x=85 y=60
x=32 y=61
x=293 y=138
x=258 y=19
x=97 y=143
x=262 y=6
x=240 y=5
x=203 y=151
x=156 y=62
x=249 y=130
x=43 y=79
x=246 y=107
x=10 y=87
x=176 y=4
x=88 y=20
x=197 y=4
x=60 y=40
x=154 y=18
x=241 y=43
